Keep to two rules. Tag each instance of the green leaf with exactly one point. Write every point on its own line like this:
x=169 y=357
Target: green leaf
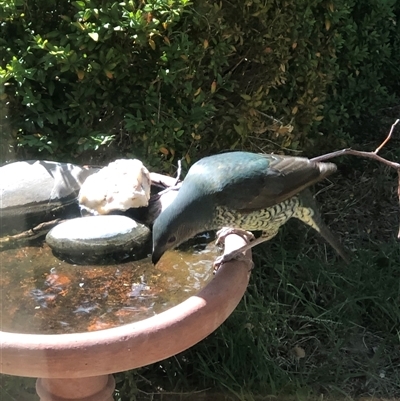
x=94 y=36
x=238 y=129
x=87 y=14
x=50 y=87
x=79 y=4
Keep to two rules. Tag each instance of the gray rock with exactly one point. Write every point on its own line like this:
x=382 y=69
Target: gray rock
x=34 y=191
x=99 y=239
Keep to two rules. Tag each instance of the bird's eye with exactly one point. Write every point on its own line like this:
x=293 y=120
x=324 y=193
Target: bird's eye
x=171 y=239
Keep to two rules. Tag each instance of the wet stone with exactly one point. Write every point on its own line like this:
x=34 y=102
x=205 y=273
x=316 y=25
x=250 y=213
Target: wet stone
x=35 y=191
x=99 y=239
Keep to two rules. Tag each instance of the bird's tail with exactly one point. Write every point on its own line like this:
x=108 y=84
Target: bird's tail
x=309 y=214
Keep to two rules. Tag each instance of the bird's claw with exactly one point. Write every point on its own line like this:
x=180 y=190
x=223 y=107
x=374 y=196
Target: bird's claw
x=237 y=255
x=225 y=231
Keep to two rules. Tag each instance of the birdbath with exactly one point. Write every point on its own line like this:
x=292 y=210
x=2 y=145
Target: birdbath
x=79 y=366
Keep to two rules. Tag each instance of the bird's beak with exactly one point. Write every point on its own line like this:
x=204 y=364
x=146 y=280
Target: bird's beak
x=155 y=257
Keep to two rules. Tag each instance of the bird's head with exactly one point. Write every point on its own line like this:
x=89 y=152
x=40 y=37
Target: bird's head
x=176 y=224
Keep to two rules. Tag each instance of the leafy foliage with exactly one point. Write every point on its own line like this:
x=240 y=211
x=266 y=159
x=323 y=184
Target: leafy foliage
x=367 y=66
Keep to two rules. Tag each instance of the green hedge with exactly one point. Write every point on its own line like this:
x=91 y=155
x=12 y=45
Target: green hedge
x=367 y=69
x=166 y=79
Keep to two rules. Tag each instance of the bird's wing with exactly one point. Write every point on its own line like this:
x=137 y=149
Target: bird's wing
x=269 y=181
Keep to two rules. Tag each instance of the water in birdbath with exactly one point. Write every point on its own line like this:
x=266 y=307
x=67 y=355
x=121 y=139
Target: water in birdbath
x=40 y=294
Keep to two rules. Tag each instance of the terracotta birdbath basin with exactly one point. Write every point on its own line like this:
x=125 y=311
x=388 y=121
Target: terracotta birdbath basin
x=80 y=366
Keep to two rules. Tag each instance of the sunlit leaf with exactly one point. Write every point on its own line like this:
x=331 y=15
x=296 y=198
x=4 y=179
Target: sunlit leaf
x=152 y=44
x=213 y=86
x=78 y=25
x=94 y=36
x=327 y=24
x=197 y=137
x=197 y=92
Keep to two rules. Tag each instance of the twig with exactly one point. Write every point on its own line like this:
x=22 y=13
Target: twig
x=41 y=229
x=175 y=393
x=370 y=155
x=162 y=180
x=178 y=172
x=359 y=153
x=387 y=138
x=270 y=117
x=398 y=195
x=159 y=107
x=160 y=200
x=236 y=66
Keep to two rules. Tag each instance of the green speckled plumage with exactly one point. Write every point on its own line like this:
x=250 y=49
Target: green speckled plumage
x=242 y=190
x=259 y=220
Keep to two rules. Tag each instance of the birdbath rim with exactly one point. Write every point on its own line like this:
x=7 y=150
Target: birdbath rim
x=132 y=345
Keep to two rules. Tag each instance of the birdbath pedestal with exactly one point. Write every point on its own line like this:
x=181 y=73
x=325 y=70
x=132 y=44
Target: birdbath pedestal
x=80 y=366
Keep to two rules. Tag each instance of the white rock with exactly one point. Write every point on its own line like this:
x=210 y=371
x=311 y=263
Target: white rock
x=122 y=185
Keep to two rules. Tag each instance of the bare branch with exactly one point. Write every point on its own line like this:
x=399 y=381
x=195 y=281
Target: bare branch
x=178 y=172
x=359 y=153
x=398 y=195
x=41 y=229
x=369 y=155
x=387 y=138
x=161 y=180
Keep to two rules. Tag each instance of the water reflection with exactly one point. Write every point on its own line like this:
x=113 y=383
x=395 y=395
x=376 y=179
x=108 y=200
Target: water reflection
x=42 y=294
